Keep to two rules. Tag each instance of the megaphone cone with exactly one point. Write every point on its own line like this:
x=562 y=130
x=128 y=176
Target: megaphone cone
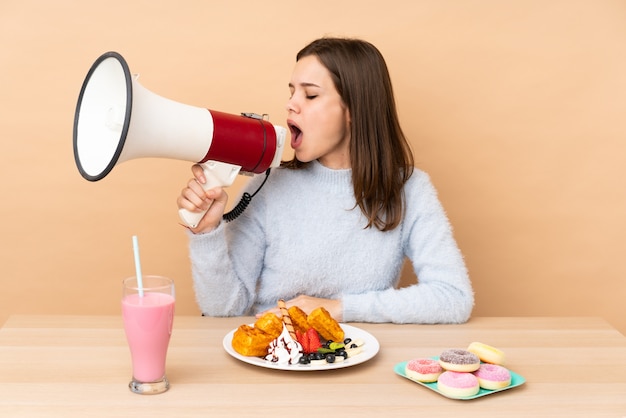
x=117 y=120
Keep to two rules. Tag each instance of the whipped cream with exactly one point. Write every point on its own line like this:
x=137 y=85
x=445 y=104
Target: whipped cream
x=284 y=349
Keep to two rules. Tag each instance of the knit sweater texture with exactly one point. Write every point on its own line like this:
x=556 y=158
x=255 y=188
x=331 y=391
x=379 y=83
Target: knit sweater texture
x=302 y=234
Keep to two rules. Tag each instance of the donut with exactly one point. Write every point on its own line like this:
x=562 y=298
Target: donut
x=458 y=360
x=492 y=376
x=423 y=370
x=457 y=385
x=487 y=353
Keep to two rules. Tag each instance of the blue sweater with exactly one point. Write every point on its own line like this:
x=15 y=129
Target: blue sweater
x=302 y=234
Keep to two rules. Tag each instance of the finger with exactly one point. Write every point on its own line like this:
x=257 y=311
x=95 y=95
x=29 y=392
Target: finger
x=198 y=173
x=195 y=185
x=217 y=194
x=190 y=200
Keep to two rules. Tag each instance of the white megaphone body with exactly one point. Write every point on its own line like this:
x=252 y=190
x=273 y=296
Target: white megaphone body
x=118 y=120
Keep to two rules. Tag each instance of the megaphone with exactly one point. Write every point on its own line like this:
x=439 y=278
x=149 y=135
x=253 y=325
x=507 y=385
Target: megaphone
x=117 y=120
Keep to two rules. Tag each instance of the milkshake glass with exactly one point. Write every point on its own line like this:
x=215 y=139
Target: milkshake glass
x=148 y=314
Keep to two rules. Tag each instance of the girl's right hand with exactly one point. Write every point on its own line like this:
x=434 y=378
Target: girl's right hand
x=195 y=199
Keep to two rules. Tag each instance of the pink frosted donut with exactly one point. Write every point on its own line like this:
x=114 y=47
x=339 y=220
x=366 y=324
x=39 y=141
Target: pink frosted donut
x=458 y=385
x=492 y=376
x=423 y=370
x=458 y=360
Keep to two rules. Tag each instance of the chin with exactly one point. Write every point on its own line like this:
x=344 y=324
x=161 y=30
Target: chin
x=303 y=157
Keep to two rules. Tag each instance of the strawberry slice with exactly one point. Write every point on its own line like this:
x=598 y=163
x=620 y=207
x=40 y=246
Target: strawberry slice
x=310 y=341
x=304 y=341
x=313 y=340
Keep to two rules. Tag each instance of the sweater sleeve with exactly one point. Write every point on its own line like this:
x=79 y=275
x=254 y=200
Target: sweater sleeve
x=218 y=291
x=226 y=264
x=443 y=293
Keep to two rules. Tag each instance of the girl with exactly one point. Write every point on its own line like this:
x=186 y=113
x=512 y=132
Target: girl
x=333 y=226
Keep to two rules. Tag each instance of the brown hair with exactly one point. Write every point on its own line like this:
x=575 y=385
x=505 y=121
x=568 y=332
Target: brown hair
x=380 y=155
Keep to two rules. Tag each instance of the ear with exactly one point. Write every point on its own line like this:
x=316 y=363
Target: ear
x=348 y=118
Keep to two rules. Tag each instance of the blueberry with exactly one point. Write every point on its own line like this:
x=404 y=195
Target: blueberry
x=304 y=360
x=330 y=358
x=347 y=341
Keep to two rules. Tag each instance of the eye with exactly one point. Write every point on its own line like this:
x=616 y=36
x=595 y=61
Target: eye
x=311 y=97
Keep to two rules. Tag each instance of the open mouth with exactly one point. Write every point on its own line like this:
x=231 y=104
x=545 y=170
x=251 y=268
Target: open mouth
x=296 y=134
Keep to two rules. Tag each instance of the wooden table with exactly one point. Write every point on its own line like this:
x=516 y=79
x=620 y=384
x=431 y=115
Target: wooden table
x=65 y=366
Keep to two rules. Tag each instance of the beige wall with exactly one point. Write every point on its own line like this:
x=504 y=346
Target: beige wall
x=515 y=108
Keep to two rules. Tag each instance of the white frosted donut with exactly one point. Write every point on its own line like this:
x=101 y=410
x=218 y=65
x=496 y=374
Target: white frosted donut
x=423 y=370
x=458 y=360
x=492 y=376
x=487 y=353
x=458 y=385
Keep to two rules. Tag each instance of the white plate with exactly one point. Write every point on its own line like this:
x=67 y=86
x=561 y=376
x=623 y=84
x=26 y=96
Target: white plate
x=370 y=348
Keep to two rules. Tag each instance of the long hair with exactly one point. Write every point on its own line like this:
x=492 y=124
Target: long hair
x=380 y=156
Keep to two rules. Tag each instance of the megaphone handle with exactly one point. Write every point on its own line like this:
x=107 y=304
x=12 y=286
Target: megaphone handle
x=217 y=174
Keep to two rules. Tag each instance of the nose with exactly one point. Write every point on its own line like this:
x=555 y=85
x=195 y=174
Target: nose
x=291 y=105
